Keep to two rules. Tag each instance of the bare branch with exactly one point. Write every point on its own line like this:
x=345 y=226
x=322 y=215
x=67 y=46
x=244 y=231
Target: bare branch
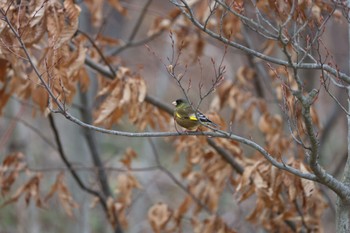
x=187 y=11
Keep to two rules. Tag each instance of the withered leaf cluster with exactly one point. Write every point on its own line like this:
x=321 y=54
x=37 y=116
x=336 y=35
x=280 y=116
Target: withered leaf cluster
x=14 y=168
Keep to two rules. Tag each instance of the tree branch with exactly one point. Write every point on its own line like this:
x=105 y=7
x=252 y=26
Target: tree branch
x=69 y=165
x=76 y=177
x=190 y=15
x=92 y=144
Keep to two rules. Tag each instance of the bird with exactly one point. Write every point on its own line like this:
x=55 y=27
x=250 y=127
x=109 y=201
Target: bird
x=187 y=118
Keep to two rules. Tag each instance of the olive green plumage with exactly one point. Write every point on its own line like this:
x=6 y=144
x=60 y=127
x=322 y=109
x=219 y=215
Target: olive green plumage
x=186 y=117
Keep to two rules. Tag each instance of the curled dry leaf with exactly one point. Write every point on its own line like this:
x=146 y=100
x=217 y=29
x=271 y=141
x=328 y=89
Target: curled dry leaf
x=63 y=23
x=245 y=75
x=84 y=80
x=75 y=62
x=182 y=209
x=124 y=95
x=170 y=69
x=30 y=190
x=316 y=13
x=118 y=6
x=126 y=183
x=115 y=210
x=210 y=224
x=96 y=11
x=147 y=114
x=142 y=90
x=245 y=187
x=158 y=216
x=314 y=117
x=163 y=23
x=64 y=195
x=4 y=97
x=128 y=157
x=10 y=169
x=270 y=124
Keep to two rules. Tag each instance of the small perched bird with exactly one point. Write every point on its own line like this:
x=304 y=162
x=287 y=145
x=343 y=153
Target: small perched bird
x=186 y=117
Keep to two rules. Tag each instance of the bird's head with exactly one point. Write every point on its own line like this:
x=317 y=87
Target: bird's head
x=178 y=102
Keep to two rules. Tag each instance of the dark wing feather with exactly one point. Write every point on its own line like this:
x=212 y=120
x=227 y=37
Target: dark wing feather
x=203 y=118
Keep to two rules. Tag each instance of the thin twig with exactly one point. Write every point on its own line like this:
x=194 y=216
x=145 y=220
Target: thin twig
x=69 y=165
x=188 y=12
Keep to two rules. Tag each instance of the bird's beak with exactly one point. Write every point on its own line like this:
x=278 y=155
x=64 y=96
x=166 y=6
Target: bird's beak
x=174 y=103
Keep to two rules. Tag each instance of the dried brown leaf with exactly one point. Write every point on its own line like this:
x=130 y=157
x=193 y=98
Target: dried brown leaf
x=108 y=107
x=84 y=80
x=65 y=197
x=183 y=208
x=158 y=216
x=76 y=62
x=128 y=157
x=270 y=124
x=4 y=97
x=117 y=5
x=142 y=90
x=245 y=75
x=41 y=98
x=62 y=24
x=126 y=182
x=10 y=169
x=30 y=189
x=106 y=40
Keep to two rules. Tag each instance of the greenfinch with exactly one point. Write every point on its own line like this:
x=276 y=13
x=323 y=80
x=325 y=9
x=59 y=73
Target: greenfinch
x=187 y=118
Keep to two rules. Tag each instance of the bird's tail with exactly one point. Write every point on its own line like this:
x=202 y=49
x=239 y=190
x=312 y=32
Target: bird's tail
x=212 y=124
x=202 y=118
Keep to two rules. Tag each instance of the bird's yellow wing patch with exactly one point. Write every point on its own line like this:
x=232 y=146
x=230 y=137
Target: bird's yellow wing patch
x=191 y=117
x=178 y=115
